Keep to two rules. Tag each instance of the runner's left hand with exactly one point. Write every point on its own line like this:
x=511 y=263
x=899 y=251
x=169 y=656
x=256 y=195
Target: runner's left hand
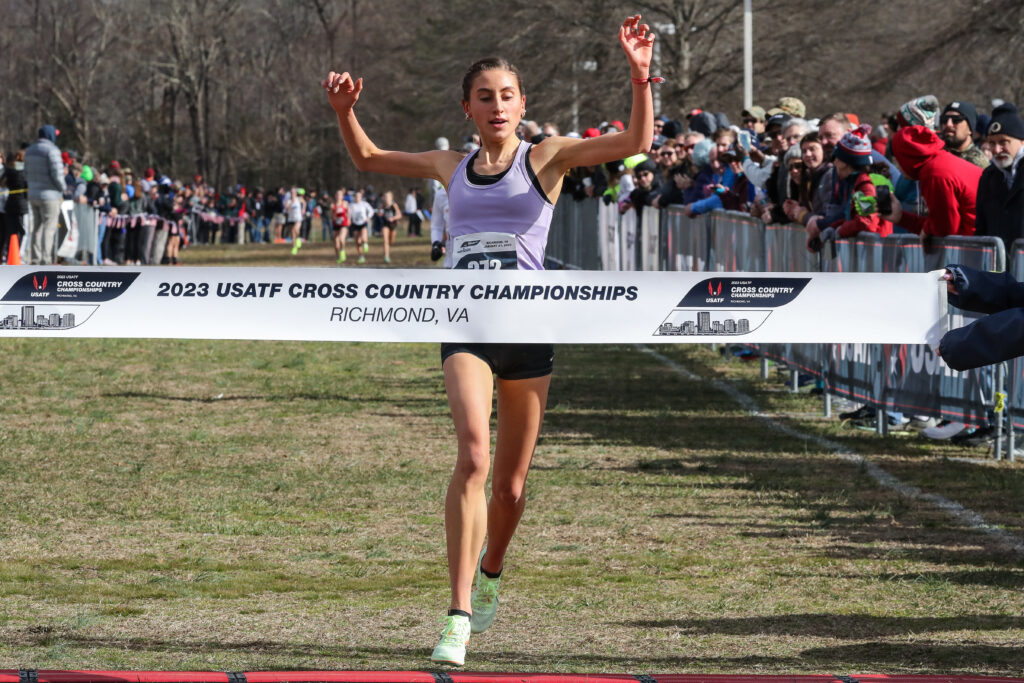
x=637 y=42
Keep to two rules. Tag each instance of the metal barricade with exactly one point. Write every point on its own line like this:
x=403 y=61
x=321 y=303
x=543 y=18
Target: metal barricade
x=1016 y=373
x=649 y=238
x=574 y=237
x=785 y=250
x=88 y=236
x=854 y=370
x=860 y=254
x=686 y=240
x=917 y=381
x=737 y=242
x=628 y=241
x=905 y=378
x=608 y=234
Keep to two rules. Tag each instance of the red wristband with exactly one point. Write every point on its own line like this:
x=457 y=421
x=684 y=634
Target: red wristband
x=649 y=79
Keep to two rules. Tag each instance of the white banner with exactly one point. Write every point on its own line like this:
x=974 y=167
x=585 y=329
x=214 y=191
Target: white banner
x=432 y=305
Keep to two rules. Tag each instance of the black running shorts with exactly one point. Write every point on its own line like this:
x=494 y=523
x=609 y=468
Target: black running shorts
x=508 y=361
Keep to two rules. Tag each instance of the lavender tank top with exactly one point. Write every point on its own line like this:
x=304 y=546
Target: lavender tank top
x=512 y=206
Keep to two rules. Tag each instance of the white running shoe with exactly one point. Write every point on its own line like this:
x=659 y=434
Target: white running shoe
x=944 y=431
x=452 y=648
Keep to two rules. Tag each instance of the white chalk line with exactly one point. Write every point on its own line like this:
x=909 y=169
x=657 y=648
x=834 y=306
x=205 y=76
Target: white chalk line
x=963 y=516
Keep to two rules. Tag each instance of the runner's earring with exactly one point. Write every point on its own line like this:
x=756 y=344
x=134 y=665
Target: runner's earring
x=468 y=117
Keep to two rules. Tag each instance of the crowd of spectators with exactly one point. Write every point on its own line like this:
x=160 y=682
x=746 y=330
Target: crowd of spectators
x=925 y=168
x=148 y=218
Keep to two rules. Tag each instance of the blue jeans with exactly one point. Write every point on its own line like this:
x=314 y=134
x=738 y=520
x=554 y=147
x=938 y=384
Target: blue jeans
x=258 y=230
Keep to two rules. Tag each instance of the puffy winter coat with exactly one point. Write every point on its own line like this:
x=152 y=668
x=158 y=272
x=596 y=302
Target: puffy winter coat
x=44 y=169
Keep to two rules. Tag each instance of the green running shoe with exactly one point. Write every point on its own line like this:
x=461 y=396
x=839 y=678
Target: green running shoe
x=361 y=259
x=366 y=247
x=341 y=256
x=296 y=246
x=452 y=648
x=484 y=599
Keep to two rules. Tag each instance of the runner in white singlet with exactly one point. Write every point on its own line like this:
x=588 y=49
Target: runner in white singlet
x=499 y=184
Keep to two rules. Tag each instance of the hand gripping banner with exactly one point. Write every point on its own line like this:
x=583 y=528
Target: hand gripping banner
x=333 y=304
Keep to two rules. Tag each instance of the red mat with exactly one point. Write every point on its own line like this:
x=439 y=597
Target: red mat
x=47 y=676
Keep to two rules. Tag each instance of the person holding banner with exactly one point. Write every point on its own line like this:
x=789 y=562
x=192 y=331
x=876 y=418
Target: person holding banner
x=997 y=337
x=505 y=191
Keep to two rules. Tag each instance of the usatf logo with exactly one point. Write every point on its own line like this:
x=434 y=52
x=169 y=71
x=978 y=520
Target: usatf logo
x=756 y=292
x=70 y=286
x=39 y=288
x=470 y=243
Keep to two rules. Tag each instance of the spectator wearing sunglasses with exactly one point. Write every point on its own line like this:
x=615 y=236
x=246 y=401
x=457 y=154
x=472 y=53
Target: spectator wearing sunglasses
x=754 y=120
x=956 y=126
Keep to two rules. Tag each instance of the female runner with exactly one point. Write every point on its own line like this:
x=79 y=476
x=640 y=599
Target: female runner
x=507 y=188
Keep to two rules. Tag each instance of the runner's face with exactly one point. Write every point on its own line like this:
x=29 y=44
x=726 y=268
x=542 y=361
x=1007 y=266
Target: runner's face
x=495 y=104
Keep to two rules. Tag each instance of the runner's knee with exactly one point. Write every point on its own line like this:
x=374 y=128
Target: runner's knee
x=473 y=462
x=508 y=493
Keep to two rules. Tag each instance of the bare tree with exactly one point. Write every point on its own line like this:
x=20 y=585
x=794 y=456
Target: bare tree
x=195 y=41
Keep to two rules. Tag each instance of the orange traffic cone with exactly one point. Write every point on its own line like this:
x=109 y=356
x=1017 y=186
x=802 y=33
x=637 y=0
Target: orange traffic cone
x=14 y=251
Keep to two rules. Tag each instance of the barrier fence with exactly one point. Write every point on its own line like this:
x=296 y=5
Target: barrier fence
x=902 y=379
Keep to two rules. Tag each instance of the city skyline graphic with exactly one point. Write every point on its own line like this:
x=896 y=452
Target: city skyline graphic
x=34 y=317
x=695 y=323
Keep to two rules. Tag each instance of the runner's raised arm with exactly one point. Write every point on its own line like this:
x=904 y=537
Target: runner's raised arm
x=343 y=92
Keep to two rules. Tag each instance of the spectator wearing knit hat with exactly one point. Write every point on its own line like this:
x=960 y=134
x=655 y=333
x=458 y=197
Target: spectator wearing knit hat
x=920 y=111
x=648 y=186
x=956 y=127
x=949 y=184
x=858 y=195
x=1001 y=190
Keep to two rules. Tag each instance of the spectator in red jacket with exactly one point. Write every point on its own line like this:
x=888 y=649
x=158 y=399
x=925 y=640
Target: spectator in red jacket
x=949 y=184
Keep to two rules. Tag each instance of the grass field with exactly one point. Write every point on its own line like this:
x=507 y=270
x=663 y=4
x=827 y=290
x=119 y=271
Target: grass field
x=260 y=505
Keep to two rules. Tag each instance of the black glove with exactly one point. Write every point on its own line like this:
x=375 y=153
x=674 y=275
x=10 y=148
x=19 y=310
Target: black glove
x=436 y=250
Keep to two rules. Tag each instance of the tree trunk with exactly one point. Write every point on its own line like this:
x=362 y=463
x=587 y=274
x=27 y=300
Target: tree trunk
x=199 y=144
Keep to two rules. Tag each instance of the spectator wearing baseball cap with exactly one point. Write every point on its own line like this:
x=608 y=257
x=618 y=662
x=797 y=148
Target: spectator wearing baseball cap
x=753 y=119
x=789 y=105
x=758 y=166
x=1001 y=190
x=948 y=184
x=956 y=127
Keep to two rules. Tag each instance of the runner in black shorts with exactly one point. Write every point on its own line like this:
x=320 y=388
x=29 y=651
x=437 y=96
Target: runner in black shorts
x=501 y=195
x=508 y=361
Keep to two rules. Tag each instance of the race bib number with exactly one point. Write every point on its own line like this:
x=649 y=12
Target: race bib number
x=486 y=251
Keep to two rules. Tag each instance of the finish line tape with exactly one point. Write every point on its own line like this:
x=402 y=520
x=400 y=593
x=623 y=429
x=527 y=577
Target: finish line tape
x=333 y=304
